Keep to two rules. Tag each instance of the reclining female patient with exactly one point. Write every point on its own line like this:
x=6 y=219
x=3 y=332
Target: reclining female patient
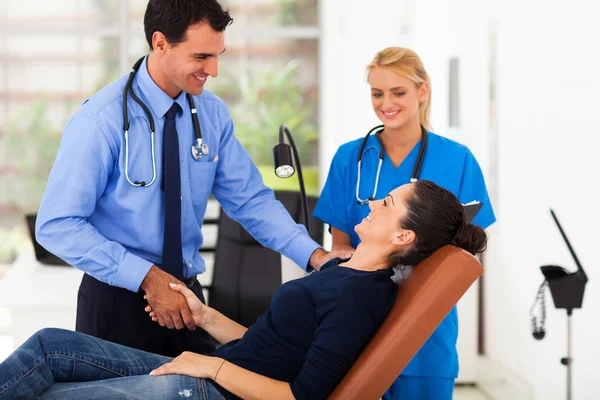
x=300 y=348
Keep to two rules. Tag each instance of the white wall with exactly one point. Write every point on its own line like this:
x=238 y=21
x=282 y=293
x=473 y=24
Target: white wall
x=548 y=128
x=546 y=156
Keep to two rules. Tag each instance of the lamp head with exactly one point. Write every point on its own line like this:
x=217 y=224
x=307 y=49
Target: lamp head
x=282 y=158
x=286 y=161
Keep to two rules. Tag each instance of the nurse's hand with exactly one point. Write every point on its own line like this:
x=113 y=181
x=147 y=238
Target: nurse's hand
x=200 y=311
x=170 y=307
x=320 y=257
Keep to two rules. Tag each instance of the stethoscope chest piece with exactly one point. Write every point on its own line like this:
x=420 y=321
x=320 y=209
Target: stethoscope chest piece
x=199 y=149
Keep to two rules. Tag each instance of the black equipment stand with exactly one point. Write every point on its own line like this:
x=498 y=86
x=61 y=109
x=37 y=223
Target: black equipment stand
x=567 y=292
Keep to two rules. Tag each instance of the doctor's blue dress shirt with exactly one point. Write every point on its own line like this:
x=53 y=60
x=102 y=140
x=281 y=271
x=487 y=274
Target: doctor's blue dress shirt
x=447 y=163
x=91 y=217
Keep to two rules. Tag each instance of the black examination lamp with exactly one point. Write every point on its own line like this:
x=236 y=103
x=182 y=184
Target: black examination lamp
x=285 y=157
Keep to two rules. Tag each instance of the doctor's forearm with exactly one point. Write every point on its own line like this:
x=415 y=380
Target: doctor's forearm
x=254 y=206
x=76 y=241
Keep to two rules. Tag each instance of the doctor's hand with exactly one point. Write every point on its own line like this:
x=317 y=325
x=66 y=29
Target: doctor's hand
x=200 y=311
x=320 y=257
x=170 y=307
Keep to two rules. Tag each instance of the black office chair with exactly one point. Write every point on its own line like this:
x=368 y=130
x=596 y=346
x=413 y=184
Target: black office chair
x=246 y=274
x=41 y=254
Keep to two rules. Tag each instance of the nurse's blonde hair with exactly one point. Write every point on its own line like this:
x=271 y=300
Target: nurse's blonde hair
x=407 y=63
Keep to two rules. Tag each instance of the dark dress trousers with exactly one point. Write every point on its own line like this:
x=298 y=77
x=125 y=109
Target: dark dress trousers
x=117 y=315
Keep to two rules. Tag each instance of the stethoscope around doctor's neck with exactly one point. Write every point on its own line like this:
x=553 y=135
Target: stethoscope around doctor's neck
x=416 y=170
x=199 y=149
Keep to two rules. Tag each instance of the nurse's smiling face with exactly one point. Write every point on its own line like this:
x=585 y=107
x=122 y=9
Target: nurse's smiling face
x=396 y=98
x=382 y=227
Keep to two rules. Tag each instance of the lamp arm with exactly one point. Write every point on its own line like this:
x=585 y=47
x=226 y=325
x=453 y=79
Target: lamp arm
x=300 y=177
x=283 y=128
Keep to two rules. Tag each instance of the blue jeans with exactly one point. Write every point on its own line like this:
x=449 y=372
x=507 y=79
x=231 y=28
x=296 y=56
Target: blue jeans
x=61 y=364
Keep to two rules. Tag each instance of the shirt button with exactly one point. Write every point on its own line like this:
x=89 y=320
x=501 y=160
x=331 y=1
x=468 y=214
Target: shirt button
x=181 y=198
x=190 y=265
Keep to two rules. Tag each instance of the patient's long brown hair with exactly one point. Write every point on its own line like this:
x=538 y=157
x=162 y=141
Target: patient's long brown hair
x=438 y=219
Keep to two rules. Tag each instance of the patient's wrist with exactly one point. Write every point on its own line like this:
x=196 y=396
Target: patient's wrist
x=207 y=319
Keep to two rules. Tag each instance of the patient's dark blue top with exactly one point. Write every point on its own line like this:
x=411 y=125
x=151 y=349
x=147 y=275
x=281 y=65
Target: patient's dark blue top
x=315 y=329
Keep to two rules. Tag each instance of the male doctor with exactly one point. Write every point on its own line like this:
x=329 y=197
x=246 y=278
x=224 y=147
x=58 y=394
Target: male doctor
x=132 y=241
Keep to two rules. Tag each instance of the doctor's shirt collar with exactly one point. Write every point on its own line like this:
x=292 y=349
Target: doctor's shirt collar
x=158 y=101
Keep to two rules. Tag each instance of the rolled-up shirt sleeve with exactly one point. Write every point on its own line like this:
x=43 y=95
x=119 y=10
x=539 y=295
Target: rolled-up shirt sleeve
x=240 y=190
x=84 y=163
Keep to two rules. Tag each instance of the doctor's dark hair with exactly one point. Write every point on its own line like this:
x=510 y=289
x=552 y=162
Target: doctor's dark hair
x=174 y=17
x=407 y=63
x=438 y=219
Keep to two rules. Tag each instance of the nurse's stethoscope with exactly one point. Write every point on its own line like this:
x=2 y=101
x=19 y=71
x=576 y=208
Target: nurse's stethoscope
x=198 y=149
x=416 y=170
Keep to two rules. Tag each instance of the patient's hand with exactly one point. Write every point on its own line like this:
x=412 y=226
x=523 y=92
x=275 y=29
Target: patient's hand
x=198 y=309
x=191 y=364
x=170 y=308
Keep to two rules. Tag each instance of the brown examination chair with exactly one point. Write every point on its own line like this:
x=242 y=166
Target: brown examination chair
x=424 y=299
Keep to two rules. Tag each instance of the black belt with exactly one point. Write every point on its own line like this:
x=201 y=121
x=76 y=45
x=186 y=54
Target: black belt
x=189 y=282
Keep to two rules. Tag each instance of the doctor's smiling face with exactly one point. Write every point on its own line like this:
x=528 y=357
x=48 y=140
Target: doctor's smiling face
x=189 y=64
x=396 y=99
x=186 y=38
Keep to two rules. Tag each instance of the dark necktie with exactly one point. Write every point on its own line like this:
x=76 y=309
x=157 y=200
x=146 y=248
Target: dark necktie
x=172 y=249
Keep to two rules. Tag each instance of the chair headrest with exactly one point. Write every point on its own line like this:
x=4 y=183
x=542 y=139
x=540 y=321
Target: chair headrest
x=424 y=299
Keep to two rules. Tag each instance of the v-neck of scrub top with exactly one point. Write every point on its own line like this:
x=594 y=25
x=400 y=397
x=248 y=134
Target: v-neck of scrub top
x=408 y=163
x=391 y=176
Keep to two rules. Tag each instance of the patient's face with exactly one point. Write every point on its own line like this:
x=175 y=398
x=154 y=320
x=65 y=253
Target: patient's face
x=382 y=224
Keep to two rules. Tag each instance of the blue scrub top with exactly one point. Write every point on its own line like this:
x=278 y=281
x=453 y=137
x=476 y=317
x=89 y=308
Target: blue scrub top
x=447 y=163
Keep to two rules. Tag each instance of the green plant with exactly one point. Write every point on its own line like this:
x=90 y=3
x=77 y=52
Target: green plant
x=264 y=102
x=32 y=145
x=297 y=12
